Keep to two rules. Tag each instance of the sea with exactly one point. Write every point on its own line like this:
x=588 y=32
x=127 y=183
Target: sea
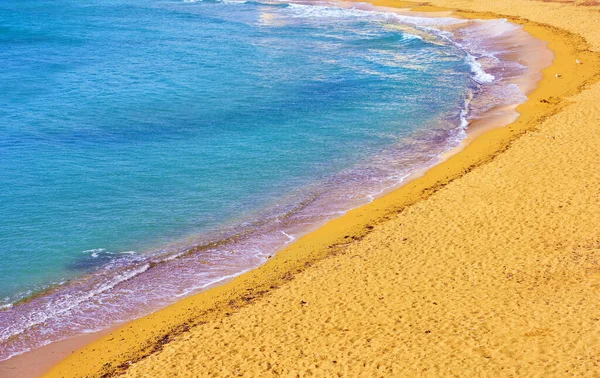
x=150 y=149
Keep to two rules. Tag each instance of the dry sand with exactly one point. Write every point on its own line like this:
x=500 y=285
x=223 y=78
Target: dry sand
x=486 y=266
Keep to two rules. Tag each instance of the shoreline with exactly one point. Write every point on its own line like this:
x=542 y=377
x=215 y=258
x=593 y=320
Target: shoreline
x=463 y=30
x=26 y=335
x=332 y=237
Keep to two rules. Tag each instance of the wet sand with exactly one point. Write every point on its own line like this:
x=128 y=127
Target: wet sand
x=486 y=265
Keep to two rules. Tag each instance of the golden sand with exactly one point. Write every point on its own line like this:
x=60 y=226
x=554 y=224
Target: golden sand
x=486 y=266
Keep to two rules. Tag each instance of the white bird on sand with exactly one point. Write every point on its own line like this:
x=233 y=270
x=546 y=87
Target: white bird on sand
x=577 y=61
x=558 y=75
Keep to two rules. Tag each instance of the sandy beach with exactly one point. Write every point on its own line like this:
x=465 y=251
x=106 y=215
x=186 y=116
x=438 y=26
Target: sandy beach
x=487 y=265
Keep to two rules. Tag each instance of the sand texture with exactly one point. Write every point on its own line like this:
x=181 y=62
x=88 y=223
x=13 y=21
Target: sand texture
x=496 y=274
x=489 y=265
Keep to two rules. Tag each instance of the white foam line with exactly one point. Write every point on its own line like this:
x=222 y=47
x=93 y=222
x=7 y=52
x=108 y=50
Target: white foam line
x=66 y=305
x=217 y=280
x=290 y=237
x=422 y=23
x=479 y=75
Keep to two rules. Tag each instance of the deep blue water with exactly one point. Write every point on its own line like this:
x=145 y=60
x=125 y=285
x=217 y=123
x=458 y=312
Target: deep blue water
x=130 y=125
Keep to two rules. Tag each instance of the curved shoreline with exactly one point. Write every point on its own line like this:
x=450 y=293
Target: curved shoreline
x=334 y=236
x=45 y=317
x=38 y=320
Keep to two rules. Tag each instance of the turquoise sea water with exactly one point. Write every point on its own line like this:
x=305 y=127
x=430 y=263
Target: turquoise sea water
x=131 y=131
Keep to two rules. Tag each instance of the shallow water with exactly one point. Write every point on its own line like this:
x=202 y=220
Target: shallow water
x=132 y=131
